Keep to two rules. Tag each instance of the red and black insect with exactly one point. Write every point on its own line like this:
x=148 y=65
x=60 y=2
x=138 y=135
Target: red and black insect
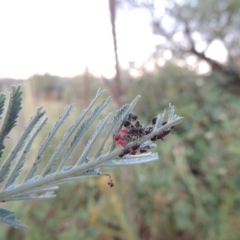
x=136 y=147
x=163 y=134
x=154 y=120
x=137 y=132
x=138 y=124
x=110 y=182
x=133 y=152
x=127 y=124
x=154 y=138
x=164 y=123
x=125 y=152
x=148 y=129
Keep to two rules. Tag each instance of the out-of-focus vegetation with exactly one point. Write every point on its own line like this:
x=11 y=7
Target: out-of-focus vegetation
x=192 y=192
x=189 y=29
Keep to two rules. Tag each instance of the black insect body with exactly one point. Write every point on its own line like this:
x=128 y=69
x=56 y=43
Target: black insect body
x=121 y=155
x=148 y=129
x=154 y=120
x=132 y=116
x=136 y=147
x=138 y=124
x=166 y=132
x=160 y=137
x=133 y=152
x=127 y=124
x=125 y=152
x=110 y=182
x=154 y=138
x=137 y=132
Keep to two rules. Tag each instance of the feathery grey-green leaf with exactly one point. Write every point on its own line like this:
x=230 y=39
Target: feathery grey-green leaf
x=74 y=126
x=20 y=143
x=10 y=120
x=82 y=130
x=43 y=189
x=27 y=197
x=37 y=159
x=92 y=173
x=131 y=160
x=2 y=102
x=9 y=217
x=52 y=132
x=18 y=167
x=90 y=143
x=14 y=107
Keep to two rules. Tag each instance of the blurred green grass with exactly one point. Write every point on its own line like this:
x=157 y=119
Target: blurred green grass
x=192 y=192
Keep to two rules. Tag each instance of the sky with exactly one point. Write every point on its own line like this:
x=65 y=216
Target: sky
x=62 y=37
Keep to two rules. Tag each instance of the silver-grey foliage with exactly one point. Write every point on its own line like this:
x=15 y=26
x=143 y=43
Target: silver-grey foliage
x=85 y=166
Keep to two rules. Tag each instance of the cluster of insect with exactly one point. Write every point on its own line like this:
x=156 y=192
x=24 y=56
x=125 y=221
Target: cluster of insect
x=132 y=130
